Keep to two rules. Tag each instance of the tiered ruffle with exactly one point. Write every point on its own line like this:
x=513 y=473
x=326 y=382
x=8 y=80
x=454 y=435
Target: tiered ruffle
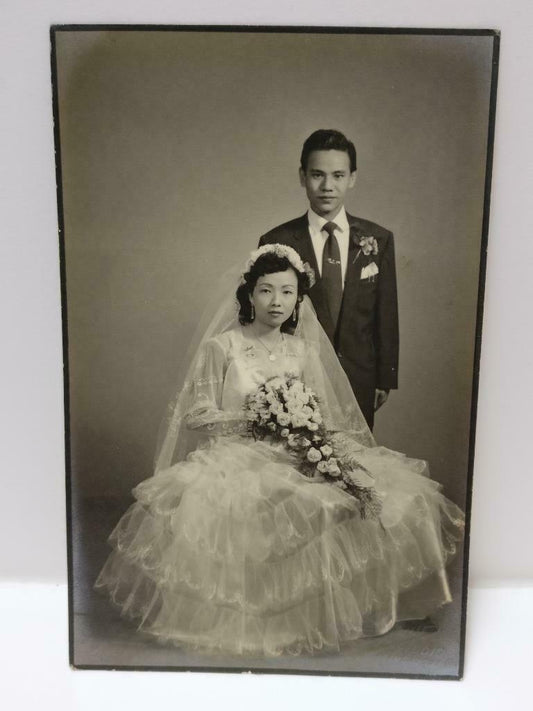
x=234 y=550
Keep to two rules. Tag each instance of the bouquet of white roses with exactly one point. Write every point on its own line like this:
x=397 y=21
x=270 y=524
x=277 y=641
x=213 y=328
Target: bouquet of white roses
x=284 y=409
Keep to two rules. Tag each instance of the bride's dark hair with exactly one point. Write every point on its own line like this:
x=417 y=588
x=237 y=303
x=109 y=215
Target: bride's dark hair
x=269 y=263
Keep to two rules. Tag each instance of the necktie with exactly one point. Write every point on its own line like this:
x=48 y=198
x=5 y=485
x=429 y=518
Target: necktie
x=332 y=271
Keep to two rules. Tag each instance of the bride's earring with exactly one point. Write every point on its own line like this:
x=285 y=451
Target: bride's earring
x=295 y=314
x=252 y=312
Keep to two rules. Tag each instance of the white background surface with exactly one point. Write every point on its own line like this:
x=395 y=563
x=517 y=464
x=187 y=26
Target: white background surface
x=32 y=520
x=38 y=677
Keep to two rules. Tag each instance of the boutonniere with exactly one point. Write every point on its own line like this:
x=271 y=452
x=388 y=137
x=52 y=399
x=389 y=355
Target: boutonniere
x=368 y=245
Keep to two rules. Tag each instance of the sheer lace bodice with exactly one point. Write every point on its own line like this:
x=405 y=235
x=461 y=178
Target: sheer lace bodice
x=233 y=366
x=248 y=365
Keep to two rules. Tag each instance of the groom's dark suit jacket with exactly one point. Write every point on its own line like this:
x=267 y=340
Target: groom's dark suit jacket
x=366 y=334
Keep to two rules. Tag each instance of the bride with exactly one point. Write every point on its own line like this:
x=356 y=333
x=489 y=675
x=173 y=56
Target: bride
x=241 y=542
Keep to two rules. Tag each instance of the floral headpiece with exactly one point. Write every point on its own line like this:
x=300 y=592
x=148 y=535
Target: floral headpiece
x=281 y=250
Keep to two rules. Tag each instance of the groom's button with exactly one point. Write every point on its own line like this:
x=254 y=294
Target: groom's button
x=339 y=354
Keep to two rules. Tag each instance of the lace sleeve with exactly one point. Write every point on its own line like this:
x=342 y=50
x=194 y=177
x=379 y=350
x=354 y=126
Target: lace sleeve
x=205 y=385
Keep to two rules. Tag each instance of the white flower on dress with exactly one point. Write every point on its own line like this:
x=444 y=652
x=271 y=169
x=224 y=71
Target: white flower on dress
x=284 y=410
x=293 y=441
x=333 y=467
x=313 y=454
x=275 y=383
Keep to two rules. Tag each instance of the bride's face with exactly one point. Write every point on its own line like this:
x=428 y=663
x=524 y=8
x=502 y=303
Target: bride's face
x=274 y=297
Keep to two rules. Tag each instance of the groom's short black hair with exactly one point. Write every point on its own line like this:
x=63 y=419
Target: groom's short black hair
x=328 y=139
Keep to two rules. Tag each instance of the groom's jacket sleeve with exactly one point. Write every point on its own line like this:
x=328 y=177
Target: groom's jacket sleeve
x=386 y=335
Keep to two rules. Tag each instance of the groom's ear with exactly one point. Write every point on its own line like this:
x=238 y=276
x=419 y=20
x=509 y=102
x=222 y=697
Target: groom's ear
x=353 y=177
x=301 y=173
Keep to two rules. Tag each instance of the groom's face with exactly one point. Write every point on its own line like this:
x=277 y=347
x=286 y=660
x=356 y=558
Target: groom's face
x=326 y=180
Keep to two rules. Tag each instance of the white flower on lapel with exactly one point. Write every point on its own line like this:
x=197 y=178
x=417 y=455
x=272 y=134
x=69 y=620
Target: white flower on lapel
x=368 y=245
x=370 y=271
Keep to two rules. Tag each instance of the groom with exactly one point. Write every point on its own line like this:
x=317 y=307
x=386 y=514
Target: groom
x=355 y=293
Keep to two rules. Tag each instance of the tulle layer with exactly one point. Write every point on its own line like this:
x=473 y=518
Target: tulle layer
x=234 y=550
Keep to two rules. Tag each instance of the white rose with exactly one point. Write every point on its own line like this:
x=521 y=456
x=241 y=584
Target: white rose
x=316 y=417
x=333 y=469
x=284 y=432
x=313 y=455
x=275 y=383
x=312 y=426
x=284 y=419
x=322 y=467
x=326 y=450
x=293 y=441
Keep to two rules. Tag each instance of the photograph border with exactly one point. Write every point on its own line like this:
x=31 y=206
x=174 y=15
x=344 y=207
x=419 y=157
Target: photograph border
x=54 y=30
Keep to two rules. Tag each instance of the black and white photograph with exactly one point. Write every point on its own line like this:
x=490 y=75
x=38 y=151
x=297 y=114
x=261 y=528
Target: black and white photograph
x=272 y=250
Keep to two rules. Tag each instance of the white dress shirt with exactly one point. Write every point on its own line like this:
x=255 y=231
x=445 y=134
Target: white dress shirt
x=319 y=237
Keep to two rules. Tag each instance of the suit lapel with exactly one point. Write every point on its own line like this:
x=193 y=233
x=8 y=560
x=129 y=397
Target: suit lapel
x=355 y=261
x=305 y=249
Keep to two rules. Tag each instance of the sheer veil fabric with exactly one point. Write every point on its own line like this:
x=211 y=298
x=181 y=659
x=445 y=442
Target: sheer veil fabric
x=324 y=374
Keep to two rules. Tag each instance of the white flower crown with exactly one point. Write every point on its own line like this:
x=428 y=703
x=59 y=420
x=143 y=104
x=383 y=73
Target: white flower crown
x=281 y=250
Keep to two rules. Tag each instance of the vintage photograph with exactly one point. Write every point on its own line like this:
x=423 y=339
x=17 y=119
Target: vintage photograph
x=272 y=247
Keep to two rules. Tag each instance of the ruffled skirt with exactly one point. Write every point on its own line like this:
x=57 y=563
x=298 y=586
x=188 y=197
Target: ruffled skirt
x=233 y=550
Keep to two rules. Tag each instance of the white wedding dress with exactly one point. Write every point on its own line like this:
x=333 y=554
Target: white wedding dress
x=233 y=550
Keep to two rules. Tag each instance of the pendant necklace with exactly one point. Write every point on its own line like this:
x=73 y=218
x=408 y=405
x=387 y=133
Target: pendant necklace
x=271 y=355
